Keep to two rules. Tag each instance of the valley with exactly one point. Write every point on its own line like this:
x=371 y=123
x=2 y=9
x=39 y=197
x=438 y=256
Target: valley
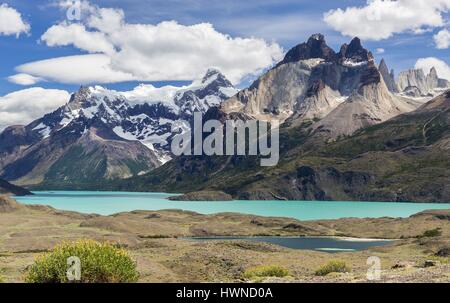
x=155 y=241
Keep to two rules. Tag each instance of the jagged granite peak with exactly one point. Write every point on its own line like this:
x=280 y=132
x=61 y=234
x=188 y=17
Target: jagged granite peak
x=433 y=72
x=432 y=79
x=392 y=74
x=370 y=105
x=355 y=51
x=315 y=48
x=415 y=83
x=312 y=87
x=388 y=77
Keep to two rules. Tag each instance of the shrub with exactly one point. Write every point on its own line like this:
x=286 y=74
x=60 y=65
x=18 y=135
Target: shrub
x=335 y=266
x=266 y=271
x=431 y=233
x=100 y=263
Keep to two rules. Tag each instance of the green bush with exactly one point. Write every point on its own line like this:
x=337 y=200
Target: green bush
x=266 y=271
x=432 y=233
x=100 y=263
x=334 y=266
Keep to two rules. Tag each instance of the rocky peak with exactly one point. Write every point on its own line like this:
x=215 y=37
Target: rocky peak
x=388 y=77
x=433 y=72
x=215 y=79
x=315 y=48
x=211 y=91
x=383 y=66
x=80 y=96
x=355 y=51
x=211 y=73
x=425 y=85
x=432 y=79
x=392 y=74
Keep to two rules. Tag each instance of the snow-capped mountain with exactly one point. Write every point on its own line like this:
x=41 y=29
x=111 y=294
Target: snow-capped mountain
x=145 y=114
x=126 y=133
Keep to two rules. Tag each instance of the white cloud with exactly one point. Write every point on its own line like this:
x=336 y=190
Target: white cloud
x=442 y=68
x=11 y=22
x=76 y=34
x=380 y=51
x=148 y=52
x=24 y=106
x=24 y=79
x=442 y=39
x=381 y=19
x=82 y=69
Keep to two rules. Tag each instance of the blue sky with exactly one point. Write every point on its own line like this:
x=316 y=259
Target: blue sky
x=284 y=22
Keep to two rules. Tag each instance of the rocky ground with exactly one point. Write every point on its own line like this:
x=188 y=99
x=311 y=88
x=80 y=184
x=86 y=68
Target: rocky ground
x=162 y=255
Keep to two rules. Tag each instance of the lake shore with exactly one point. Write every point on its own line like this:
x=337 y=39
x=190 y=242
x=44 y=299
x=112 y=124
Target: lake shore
x=153 y=239
x=109 y=203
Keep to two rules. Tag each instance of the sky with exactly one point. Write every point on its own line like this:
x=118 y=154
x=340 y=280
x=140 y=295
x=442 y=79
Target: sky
x=51 y=47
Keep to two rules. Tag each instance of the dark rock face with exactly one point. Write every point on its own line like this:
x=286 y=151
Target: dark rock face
x=315 y=88
x=371 y=75
x=8 y=188
x=319 y=183
x=15 y=136
x=315 y=47
x=355 y=51
x=203 y=196
x=308 y=184
x=313 y=184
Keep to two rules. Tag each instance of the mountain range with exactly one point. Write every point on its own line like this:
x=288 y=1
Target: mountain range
x=343 y=91
x=372 y=145
x=350 y=130
x=102 y=134
x=406 y=158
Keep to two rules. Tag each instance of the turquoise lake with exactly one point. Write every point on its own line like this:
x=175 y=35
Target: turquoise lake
x=108 y=203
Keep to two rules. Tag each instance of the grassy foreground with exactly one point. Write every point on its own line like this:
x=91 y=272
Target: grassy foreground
x=153 y=241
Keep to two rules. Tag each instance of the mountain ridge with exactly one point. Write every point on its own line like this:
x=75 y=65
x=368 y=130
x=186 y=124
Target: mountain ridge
x=105 y=134
x=404 y=159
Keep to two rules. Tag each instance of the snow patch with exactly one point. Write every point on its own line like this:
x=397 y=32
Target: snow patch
x=351 y=63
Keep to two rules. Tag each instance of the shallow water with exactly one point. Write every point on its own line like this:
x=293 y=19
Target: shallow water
x=107 y=203
x=331 y=245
